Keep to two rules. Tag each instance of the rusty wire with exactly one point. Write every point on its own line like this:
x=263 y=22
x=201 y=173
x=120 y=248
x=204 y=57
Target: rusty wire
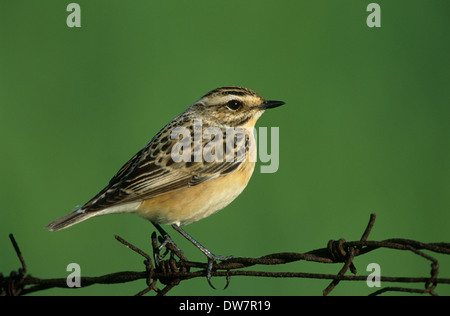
x=173 y=271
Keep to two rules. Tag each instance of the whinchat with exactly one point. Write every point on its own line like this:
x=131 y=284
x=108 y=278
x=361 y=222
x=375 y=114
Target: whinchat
x=171 y=181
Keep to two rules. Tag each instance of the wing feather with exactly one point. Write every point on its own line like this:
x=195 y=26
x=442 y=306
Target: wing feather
x=152 y=172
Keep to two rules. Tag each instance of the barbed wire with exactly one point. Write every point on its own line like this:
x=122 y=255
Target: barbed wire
x=177 y=268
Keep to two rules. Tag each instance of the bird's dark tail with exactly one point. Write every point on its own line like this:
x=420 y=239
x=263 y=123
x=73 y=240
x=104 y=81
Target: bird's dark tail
x=69 y=220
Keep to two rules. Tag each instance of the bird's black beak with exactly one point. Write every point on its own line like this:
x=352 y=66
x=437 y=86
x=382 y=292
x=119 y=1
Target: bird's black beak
x=268 y=104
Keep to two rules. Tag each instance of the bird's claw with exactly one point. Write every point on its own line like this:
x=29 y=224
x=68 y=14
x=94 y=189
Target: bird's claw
x=211 y=260
x=166 y=240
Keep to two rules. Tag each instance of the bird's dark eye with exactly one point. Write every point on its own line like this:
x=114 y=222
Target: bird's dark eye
x=234 y=105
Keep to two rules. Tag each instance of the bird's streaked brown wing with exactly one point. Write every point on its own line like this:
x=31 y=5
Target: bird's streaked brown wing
x=152 y=172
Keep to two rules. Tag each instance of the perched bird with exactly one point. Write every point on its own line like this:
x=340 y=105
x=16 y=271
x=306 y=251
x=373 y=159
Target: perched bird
x=191 y=169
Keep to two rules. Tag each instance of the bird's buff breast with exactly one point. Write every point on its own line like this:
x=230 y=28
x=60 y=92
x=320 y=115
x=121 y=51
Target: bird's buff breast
x=188 y=205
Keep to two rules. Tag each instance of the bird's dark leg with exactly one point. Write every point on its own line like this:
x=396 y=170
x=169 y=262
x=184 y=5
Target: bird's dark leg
x=166 y=239
x=211 y=257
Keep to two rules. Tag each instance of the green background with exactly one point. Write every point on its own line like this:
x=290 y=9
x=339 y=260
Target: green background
x=365 y=129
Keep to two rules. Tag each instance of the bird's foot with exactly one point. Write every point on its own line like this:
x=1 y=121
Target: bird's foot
x=167 y=243
x=212 y=258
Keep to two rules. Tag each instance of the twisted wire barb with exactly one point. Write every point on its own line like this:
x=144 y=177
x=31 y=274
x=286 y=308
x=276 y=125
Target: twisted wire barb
x=173 y=271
